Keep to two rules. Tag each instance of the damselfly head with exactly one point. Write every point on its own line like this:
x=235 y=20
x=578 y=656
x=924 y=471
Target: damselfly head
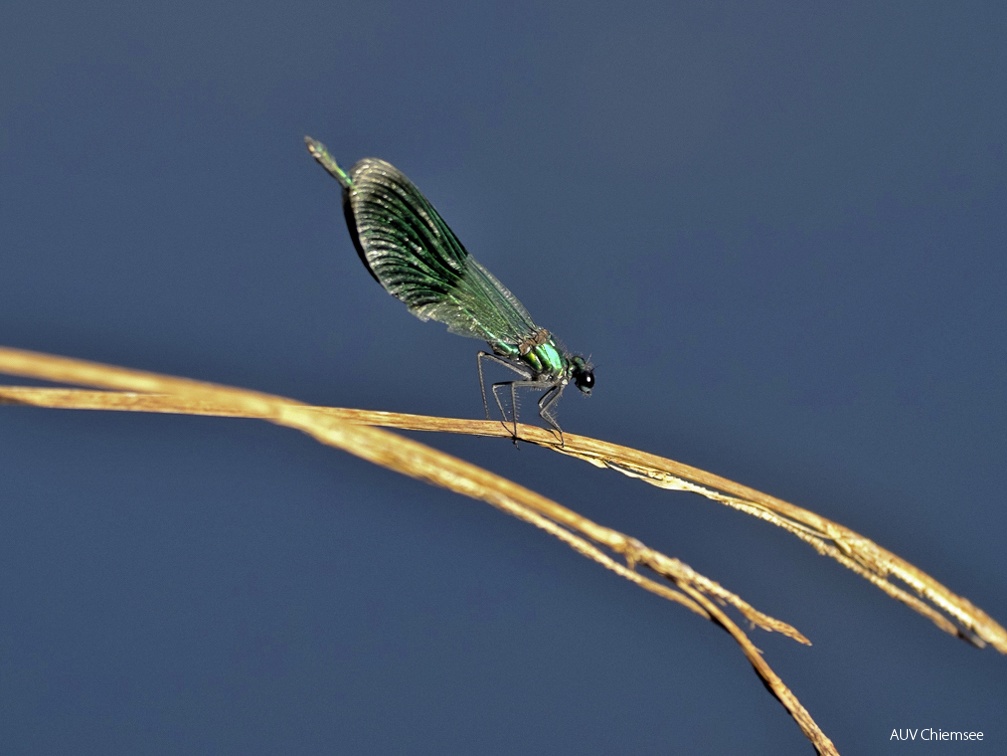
x=582 y=374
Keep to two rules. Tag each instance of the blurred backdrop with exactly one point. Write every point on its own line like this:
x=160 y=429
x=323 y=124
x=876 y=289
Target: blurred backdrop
x=778 y=231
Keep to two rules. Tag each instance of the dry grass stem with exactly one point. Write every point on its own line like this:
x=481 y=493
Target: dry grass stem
x=852 y=550
x=351 y=430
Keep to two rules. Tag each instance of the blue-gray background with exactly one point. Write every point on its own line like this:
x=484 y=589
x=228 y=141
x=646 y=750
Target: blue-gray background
x=779 y=232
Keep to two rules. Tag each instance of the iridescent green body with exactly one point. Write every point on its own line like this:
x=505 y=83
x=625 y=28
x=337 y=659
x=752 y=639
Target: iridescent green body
x=414 y=255
x=540 y=353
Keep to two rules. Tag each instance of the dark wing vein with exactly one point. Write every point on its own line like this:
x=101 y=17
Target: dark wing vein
x=416 y=257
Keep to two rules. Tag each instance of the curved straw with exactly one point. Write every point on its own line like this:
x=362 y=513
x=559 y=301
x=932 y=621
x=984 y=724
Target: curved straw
x=348 y=430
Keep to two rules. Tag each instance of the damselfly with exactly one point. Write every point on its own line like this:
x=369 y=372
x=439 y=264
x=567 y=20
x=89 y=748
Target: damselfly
x=412 y=253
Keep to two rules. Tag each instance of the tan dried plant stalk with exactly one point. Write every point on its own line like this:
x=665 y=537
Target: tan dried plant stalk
x=352 y=431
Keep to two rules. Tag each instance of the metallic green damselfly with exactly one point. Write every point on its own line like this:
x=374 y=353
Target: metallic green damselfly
x=412 y=253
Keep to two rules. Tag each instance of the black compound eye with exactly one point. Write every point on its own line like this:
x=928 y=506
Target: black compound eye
x=583 y=375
